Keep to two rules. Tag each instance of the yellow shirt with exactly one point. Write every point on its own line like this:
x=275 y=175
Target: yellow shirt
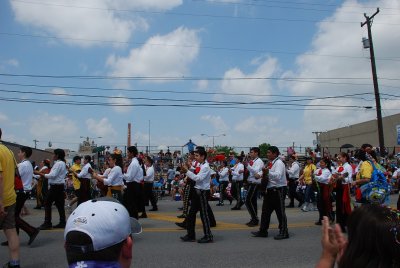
x=75 y=181
x=307 y=172
x=365 y=171
x=7 y=169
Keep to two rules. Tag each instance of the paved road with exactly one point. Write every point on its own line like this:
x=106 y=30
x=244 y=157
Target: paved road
x=159 y=244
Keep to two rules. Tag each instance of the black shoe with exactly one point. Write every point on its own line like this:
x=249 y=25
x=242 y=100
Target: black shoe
x=290 y=206
x=230 y=202
x=60 y=225
x=187 y=238
x=8 y=265
x=180 y=208
x=300 y=204
x=143 y=216
x=259 y=234
x=154 y=209
x=46 y=226
x=213 y=224
x=318 y=223
x=235 y=208
x=205 y=240
x=33 y=236
x=37 y=207
x=281 y=236
x=5 y=243
x=252 y=223
x=220 y=204
x=181 y=224
x=182 y=216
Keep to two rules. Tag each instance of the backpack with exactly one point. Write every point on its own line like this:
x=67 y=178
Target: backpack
x=377 y=191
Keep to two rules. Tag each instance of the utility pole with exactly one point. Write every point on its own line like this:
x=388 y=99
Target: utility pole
x=35 y=141
x=368 y=22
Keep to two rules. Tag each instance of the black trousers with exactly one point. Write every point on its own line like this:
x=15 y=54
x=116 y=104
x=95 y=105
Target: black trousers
x=292 y=183
x=149 y=195
x=20 y=223
x=274 y=200
x=187 y=192
x=222 y=191
x=55 y=195
x=84 y=191
x=251 y=201
x=134 y=199
x=237 y=192
x=199 y=202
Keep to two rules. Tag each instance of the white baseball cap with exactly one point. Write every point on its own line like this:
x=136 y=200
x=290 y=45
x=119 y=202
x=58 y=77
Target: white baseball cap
x=104 y=220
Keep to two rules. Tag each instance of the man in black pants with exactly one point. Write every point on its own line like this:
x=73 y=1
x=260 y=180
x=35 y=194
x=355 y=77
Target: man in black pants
x=133 y=198
x=274 y=199
x=199 y=200
x=293 y=173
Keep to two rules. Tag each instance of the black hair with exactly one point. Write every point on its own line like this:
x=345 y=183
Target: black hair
x=345 y=155
x=133 y=150
x=274 y=150
x=373 y=155
x=27 y=150
x=255 y=149
x=327 y=162
x=360 y=155
x=88 y=158
x=239 y=158
x=118 y=160
x=77 y=238
x=201 y=151
x=371 y=239
x=365 y=145
x=60 y=154
x=148 y=158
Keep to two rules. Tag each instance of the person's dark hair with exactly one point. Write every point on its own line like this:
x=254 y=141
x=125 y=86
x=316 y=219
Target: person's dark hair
x=293 y=157
x=365 y=145
x=88 y=158
x=118 y=160
x=255 y=149
x=77 y=238
x=360 y=155
x=148 y=158
x=327 y=161
x=201 y=151
x=372 y=238
x=225 y=163
x=345 y=155
x=373 y=155
x=274 y=150
x=27 y=150
x=239 y=158
x=133 y=150
x=60 y=154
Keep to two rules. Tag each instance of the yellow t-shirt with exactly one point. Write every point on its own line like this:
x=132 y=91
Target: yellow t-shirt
x=365 y=171
x=307 y=172
x=75 y=181
x=7 y=169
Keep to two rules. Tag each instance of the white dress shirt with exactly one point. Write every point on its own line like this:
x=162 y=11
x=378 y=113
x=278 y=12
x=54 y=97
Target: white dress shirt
x=346 y=169
x=84 y=174
x=256 y=168
x=149 y=174
x=134 y=172
x=26 y=172
x=224 y=174
x=57 y=173
x=236 y=174
x=294 y=171
x=277 y=174
x=115 y=177
x=324 y=177
x=202 y=178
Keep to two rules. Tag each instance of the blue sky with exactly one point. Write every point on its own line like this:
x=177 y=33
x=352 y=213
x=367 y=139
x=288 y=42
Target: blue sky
x=158 y=57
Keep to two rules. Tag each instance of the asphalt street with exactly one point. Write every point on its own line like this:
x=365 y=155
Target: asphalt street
x=159 y=244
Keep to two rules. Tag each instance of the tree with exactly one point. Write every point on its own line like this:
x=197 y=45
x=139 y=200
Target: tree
x=223 y=149
x=263 y=149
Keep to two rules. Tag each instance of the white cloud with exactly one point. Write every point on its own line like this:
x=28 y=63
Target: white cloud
x=161 y=55
x=124 y=102
x=58 y=127
x=217 y=122
x=58 y=91
x=101 y=128
x=202 y=84
x=3 y=118
x=88 y=20
x=251 y=84
x=9 y=63
x=335 y=38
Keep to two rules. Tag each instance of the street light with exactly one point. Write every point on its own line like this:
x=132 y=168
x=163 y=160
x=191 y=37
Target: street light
x=213 y=136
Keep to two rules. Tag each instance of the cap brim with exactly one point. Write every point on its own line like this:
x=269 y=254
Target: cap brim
x=136 y=228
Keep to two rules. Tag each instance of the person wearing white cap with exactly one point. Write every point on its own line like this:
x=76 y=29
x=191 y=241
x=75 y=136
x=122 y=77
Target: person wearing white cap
x=99 y=234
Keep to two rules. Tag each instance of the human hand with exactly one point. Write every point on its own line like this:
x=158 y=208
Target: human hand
x=333 y=241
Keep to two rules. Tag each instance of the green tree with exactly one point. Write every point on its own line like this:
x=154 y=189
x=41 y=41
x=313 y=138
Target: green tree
x=263 y=149
x=224 y=149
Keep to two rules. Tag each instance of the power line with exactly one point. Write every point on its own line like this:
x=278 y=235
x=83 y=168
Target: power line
x=188 y=14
